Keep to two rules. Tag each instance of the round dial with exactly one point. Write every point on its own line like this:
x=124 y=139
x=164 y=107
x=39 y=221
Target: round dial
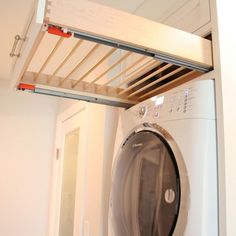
x=142 y=111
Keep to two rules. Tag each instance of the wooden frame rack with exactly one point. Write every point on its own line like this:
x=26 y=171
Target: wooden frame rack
x=82 y=50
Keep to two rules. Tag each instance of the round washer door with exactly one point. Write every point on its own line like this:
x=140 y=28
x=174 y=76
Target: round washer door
x=145 y=195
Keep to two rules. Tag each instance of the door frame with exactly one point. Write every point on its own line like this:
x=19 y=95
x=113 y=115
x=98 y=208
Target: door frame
x=57 y=164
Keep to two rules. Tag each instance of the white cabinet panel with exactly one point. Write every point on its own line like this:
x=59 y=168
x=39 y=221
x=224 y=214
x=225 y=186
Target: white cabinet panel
x=159 y=10
x=192 y=16
x=123 y=5
x=187 y=15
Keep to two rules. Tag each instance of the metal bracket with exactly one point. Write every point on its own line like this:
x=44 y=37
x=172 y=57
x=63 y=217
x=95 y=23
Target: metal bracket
x=57 y=154
x=146 y=52
x=38 y=90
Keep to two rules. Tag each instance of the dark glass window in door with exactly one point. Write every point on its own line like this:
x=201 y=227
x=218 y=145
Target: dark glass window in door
x=146 y=187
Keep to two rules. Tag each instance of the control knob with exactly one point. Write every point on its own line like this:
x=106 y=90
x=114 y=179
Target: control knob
x=142 y=111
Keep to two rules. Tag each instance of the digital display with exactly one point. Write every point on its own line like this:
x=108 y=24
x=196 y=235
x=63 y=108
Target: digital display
x=153 y=99
x=159 y=101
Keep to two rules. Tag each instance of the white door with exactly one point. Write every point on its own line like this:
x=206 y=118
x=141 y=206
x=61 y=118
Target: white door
x=68 y=188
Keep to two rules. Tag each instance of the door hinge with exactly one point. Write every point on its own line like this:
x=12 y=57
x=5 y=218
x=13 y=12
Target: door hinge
x=57 y=153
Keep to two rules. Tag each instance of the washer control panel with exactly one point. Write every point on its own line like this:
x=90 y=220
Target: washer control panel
x=193 y=100
x=181 y=101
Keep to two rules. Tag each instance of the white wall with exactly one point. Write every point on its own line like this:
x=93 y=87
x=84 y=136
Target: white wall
x=27 y=125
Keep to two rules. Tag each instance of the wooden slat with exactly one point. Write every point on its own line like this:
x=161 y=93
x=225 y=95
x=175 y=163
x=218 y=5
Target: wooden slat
x=94 y=48
x=138 y=68
x=139 y=72
x=122 y=30
x=77 y=45
x=111 y=67
x=108 y=23
x=156 y=81
x=37 y=42
x=155 y=91
x=88 y=94
x=59 y=41
x=145 y=78
x=96 y=65
x=124 y=71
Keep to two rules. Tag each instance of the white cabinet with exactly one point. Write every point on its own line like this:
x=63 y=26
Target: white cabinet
x=193 y=16
x=188 y=15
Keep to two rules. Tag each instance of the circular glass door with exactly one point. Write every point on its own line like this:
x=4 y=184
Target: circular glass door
x=145 y=195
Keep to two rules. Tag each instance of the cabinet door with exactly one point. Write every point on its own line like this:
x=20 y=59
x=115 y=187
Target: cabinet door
x=27 y=47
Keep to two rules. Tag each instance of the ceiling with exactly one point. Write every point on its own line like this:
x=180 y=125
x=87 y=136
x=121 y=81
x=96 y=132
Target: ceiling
x=14 y=15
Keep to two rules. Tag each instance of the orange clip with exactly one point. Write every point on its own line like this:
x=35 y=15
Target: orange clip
x=26 y=87
x=59 y=32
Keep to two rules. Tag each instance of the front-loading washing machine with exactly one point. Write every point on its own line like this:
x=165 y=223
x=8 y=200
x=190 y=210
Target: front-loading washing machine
x=164 y=177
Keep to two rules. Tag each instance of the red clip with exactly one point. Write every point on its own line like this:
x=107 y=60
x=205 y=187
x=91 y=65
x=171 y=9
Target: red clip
x=59 y=32
x=26 y=87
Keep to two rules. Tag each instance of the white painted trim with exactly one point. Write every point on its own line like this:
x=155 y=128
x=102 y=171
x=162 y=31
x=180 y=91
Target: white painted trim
x=41 y=11
x=220 y=123
x=54 y=211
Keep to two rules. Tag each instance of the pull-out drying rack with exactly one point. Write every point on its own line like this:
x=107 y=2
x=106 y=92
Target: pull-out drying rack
x=83 y=50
